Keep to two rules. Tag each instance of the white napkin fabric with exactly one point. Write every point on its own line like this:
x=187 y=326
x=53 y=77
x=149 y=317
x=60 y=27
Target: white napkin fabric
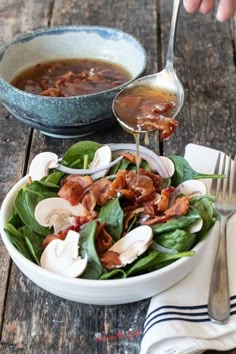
x=177 y=321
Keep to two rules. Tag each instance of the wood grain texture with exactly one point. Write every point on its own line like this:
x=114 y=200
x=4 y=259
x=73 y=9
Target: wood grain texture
x=63 y=326
x=205 y=65
x=15 y=19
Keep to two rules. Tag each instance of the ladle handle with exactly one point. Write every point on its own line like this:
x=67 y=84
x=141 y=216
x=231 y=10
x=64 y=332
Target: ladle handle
x=170 y=49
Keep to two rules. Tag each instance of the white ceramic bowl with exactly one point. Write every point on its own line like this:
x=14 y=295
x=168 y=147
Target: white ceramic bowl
x=97 y=292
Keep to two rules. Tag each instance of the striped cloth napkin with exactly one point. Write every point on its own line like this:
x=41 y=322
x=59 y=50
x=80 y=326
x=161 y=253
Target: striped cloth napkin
x=177 y=321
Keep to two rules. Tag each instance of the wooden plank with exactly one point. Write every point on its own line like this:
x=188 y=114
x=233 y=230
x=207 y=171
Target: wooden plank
x=15 y=18
x=48 y=322
x=205 y=65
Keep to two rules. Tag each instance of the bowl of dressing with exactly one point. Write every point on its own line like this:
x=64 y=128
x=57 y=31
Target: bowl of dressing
x=63 y=80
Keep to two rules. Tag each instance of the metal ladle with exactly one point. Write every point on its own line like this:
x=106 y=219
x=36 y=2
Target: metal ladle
x=166 y=79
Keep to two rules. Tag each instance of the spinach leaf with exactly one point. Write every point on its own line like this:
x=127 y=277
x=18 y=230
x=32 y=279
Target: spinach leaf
x=184 y=172
x=34 y=243
x=121 y=165
x=178 y=240
x=204 y=205
x=77 y=152
x=179 y=223
x=54 y=178
x=153 y=258
x=18 y=240
x=27 y=199
x=87 y=247
x=112 y=215
x=113 y=274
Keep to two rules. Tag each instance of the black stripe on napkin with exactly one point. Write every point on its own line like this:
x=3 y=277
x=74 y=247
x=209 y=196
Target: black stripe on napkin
x=180 y=313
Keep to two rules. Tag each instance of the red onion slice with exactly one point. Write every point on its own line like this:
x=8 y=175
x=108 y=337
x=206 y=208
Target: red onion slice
x=155 y=162
x=87 y=171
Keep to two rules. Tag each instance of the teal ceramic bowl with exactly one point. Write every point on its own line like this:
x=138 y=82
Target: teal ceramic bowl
x=67 y=116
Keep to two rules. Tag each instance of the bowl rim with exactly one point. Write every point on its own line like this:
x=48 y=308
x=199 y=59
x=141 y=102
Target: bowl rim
x=72 y=28
x=100 y=283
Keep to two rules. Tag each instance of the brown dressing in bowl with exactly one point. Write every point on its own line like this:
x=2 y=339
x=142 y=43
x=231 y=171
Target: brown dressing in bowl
x=71 y=77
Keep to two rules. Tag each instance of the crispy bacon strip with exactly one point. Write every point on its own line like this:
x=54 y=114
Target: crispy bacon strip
x=129 y=156
x=165 y=198
x=141 y=185
x=103 y=239
x=73 y=188
x=71 y=191
x=180 y=207
x=167 y=125
x=156 y=179
x=102 y=191
x=110 y=259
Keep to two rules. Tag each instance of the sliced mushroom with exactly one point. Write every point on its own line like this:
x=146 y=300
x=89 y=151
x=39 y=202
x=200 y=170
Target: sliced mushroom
x=62 y=256
x=190 y=188
x=128 y=248
x=196 y=227
x=169 y=164
x=57 y=212
x=41 y=164
x=102 y=157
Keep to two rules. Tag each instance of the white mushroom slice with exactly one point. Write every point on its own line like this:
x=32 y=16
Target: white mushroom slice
x=57 y=212
x=196 y=227
x=191 y=188
x=132 y=245
x=102 y=157
x=170 y=167
x=62 y=256
x=41 y=164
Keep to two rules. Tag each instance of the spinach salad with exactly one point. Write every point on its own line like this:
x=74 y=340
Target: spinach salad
x=114 y=201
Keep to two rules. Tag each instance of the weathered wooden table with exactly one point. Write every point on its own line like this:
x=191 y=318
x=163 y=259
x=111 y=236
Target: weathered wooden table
x=32 y=320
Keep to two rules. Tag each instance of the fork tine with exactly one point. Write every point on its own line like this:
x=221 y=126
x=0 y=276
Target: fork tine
x=227 y=172
x=233 y=181
x=214 y=183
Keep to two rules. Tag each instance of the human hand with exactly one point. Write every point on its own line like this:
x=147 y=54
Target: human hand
x=226 y=8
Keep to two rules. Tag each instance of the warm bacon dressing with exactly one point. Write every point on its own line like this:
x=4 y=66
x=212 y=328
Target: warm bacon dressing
x=71 y=77
x=141 y=109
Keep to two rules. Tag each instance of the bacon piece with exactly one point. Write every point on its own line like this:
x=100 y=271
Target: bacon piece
x=165 y=198
x=150 y=209
x=156 y=179
x=110 y=259
x=167 y=125
x=180 y=207
x=129 y=156
x=141 y=185
x=71 y=191
x=101 y=190
x=103 y=239
x=89 y=203
x=51 y=91
x=130 y=215
x=59 y=236
x=119 y=182
x=156 y=220
x=84 y=181
x=73 y=188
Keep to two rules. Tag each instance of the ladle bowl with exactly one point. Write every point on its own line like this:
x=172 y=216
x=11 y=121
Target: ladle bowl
x=163 y=81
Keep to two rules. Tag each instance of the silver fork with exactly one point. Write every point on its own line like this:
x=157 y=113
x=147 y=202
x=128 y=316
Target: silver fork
x=225 y=192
